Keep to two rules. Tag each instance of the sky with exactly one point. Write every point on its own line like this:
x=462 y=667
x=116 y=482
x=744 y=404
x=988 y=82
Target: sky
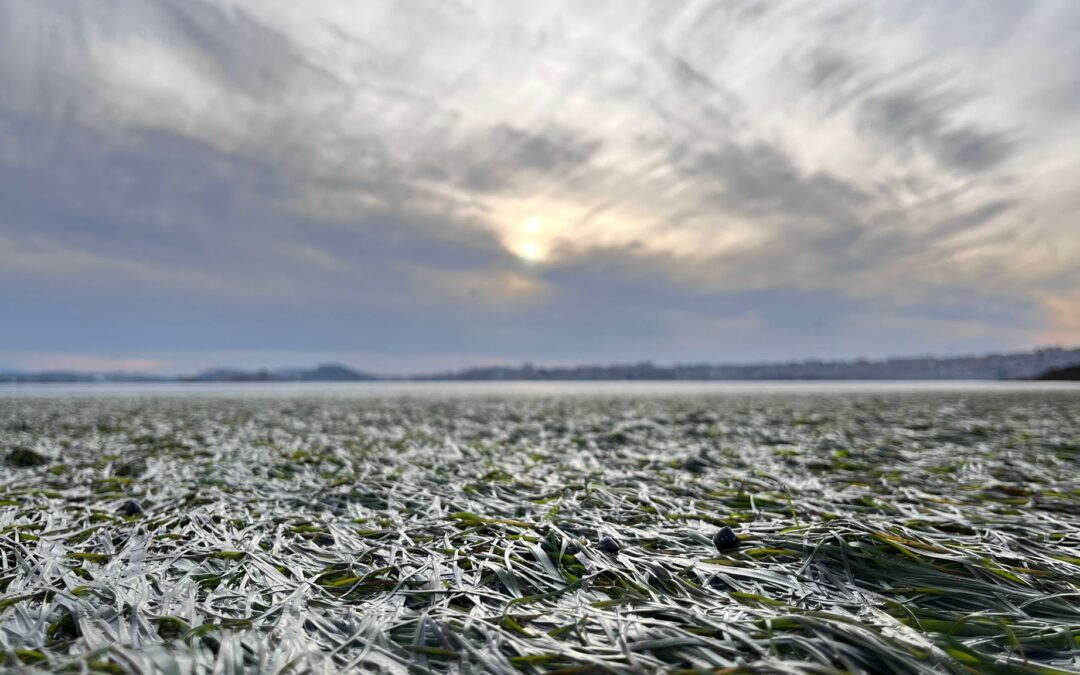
x=414 y=186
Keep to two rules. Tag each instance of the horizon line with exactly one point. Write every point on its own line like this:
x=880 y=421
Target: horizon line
x=527 y=364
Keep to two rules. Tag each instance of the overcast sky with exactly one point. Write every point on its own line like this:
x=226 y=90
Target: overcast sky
x=408 y=186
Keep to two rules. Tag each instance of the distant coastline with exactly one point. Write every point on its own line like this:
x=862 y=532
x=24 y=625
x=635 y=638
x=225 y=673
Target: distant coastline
x=1050 y=363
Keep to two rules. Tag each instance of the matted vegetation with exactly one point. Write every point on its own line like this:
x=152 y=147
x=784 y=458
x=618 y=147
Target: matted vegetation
x=886 y=533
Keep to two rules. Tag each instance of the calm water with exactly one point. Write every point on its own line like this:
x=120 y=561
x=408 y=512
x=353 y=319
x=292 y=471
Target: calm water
x=577 y=388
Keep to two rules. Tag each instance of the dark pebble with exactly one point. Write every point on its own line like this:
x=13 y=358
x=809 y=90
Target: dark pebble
x=130 y=508
x=608 y=545
x=695 y=465
x=725 y=539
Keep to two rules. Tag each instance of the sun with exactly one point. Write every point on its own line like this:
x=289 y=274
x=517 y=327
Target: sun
x=528 y=241
x=529 y=250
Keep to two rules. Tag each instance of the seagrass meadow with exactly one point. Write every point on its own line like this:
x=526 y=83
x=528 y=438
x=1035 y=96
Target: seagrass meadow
x=878 y=531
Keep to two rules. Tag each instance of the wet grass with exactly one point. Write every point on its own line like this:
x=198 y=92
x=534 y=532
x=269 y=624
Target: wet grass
x=890 y=533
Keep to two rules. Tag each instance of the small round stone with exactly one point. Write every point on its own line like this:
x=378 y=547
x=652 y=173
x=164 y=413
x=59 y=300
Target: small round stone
x=130 y=508
x=608 y=545
x=695 y=465
x=725 y=539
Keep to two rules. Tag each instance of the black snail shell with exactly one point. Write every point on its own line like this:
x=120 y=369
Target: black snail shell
x=130 y=508
x=725 y=539
x=608 y=545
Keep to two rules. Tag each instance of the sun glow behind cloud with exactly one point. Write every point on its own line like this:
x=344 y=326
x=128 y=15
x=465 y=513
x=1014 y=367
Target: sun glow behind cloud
x=528 y=242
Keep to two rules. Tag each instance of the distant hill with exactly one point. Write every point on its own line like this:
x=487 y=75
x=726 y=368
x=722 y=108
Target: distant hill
x=1042 y=364
x=69 y=377
x=330 y=372
x=1061 y=374
x=326 y=372
x=1012 y=366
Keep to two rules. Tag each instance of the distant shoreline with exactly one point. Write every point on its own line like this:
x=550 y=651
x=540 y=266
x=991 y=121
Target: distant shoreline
x=1043 y=363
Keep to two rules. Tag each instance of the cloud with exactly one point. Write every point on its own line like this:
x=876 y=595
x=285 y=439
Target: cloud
x=228 y=44
x=760 y=182
x=726 y=180
x=919 y=122
x=503 y=157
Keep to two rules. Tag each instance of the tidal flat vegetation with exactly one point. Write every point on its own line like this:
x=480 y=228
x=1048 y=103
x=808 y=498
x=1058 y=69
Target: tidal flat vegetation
x=899 y=532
